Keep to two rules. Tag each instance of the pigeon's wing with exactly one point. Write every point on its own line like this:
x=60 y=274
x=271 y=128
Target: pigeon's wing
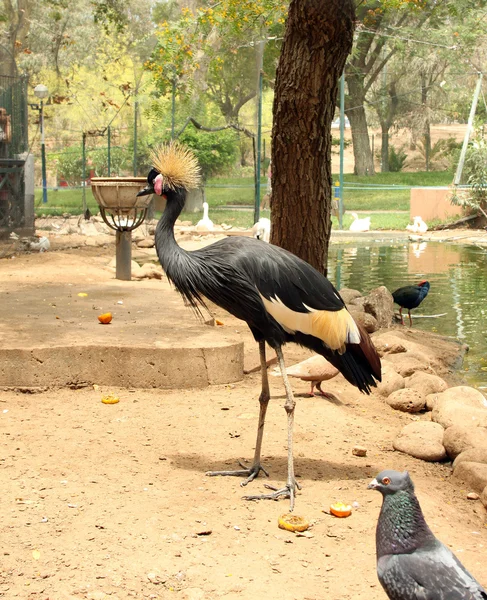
x=428 y=574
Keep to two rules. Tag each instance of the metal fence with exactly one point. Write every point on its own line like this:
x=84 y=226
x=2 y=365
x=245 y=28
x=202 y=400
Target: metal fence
x=13 y=143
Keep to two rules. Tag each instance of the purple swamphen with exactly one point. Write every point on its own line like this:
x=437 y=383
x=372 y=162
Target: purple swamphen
x=410 y=296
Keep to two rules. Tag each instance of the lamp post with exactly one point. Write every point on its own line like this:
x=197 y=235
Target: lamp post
x=41 y=92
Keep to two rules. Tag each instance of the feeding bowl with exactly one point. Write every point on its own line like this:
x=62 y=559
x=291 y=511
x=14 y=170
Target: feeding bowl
x=119 y=194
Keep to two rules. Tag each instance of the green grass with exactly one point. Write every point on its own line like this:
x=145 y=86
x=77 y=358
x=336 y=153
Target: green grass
x=241 y=218
x=240 y=191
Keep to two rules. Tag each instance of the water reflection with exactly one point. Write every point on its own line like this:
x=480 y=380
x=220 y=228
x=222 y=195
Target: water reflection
x=458 y=278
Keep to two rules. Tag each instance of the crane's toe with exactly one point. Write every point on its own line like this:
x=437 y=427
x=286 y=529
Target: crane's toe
x=289 y=491
x=249 y=472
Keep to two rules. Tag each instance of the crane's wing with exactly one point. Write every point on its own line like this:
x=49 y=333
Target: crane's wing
x=282 y=296
x=433 y=574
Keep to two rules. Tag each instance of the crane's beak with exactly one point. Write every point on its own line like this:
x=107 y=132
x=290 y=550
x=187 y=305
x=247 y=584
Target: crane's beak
x=373 y=485
x=146 y=191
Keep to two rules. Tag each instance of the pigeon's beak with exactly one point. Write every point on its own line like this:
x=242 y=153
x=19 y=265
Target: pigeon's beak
x=146 y=191
x=373 y=485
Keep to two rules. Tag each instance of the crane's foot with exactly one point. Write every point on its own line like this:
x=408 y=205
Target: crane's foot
x=289 y=491
x=249 y=472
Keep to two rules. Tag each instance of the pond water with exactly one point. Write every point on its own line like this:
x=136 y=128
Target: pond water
x=458 y=278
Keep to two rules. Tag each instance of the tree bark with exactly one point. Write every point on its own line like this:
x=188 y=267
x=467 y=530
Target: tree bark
x=317 y=41
x=355 y=111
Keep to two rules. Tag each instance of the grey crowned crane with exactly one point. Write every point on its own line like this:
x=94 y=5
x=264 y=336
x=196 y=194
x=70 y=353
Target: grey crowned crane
x=280 y=297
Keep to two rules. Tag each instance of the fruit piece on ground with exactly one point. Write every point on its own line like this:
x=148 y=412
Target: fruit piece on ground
x=292 y=522
x=341 y=510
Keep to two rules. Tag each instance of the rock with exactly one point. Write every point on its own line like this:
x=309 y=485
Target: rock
x=473 y=474
x=87 y=228
x=391 y=380
x=406 y=364
x=426 y=383
x=380 y=304
x=483 y=497
x=460 y=405
x=472 y=455
x=348 y=295
x=148 y=271
x=458 y=438
x=147 y=242
x=472 y=496
x=368 y=322
x=431 y=401
x=384 y=349
x=421 y=439
x=359 y=451
x=156 y=579
x=407 y=400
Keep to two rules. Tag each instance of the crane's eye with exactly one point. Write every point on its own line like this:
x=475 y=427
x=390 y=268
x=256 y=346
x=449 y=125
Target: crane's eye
x=386 y=481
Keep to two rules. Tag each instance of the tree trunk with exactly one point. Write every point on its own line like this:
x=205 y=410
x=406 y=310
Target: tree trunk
x=426 y=121
x=317 y=41
x=384 y=151
x=355 y=111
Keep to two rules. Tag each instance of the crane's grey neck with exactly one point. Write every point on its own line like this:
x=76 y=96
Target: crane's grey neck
x=166 y=246
x=401 y=527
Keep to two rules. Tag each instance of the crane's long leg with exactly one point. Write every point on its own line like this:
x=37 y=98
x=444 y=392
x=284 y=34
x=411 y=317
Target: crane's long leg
x=253 y=471
x=289 y=491
x=410 y=319
x=402 y=318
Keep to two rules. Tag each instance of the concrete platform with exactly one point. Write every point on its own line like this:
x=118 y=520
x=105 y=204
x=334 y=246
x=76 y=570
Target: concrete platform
x=50 y=336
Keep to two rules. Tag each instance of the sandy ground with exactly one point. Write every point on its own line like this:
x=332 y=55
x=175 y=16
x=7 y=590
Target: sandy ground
x=112 y=501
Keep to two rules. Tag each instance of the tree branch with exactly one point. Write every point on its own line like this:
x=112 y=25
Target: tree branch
x=201 y=127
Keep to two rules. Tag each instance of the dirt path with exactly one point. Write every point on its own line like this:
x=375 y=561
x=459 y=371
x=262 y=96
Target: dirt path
x=112 y=501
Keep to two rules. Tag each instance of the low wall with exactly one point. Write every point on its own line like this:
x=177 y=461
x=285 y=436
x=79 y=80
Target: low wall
x=432 y=203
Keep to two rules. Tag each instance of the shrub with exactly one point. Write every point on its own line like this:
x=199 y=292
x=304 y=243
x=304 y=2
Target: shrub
x=397 y=158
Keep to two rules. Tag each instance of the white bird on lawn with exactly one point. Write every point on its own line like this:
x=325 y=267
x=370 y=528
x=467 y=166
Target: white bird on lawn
x=418 y=226
x=359 y=224
x=205 y=224
x=262 y=229
x=315 y=369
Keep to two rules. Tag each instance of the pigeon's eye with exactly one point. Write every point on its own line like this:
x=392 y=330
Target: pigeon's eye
x=386 y=481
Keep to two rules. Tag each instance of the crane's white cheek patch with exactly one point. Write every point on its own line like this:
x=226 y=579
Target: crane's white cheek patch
x=334 y=328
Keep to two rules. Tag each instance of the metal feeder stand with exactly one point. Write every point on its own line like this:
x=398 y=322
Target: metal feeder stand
x=122 y=211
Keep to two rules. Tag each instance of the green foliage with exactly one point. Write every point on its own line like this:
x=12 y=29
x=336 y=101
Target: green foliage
x=475 y=174
x=215 y=151
x=443 y=148
x=110 y=12
x=397 y=158
x=70 y=163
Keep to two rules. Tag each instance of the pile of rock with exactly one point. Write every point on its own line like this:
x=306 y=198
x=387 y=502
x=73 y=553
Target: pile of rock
x=453 y=421
x=374 y=311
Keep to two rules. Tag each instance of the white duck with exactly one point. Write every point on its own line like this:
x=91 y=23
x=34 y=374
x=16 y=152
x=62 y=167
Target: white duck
x=359 y=224
x=205 y=224
x=262 y=229
x=418 y=226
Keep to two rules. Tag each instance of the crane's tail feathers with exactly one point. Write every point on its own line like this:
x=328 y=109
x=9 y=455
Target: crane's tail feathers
x=360 y=363
x=367 y=350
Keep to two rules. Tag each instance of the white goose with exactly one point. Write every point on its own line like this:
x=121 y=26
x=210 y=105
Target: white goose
x=359 y=224
x=205 y=224
x=262 y=229
x=418 y=226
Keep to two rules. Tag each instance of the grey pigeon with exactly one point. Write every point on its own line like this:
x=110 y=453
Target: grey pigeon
x=412 y=564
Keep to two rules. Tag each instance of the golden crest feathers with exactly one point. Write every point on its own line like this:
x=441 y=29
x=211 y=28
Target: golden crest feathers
x=177 y=164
